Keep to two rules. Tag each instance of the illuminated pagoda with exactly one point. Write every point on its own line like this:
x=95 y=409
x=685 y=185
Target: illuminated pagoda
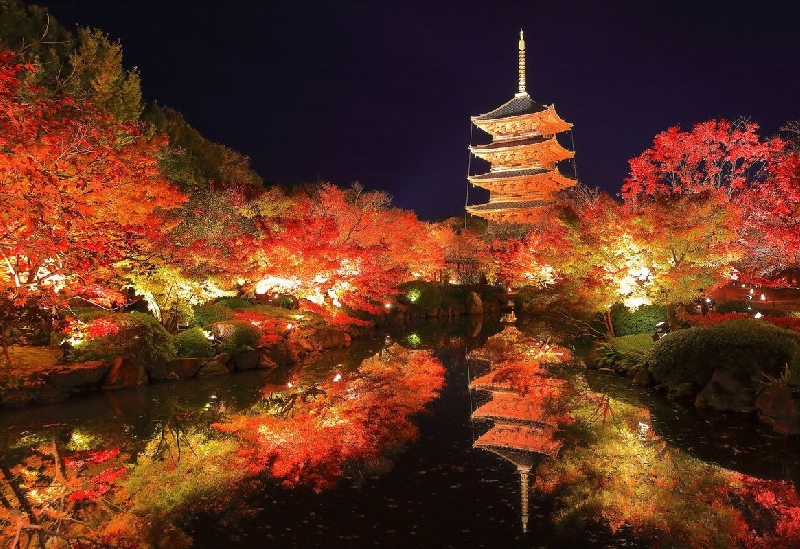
x=523 y=154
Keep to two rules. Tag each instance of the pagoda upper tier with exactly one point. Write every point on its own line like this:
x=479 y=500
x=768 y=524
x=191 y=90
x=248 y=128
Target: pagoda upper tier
x=523 y=155
x=521 y=116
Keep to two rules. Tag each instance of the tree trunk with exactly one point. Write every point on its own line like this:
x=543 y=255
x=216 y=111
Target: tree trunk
x=609 y=324
x=672 y=317
x=4 y=343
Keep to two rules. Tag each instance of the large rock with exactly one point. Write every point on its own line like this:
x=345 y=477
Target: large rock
x=643 y=377
x=725 y=393
x=474 y=304
x=779 y=409
x=302 y=345
x=332 y=338
x=278 y=354
x=156 y=371
x=474 y=325
x=247 y=360
x=78 y=377
x=184 y=368
x=124 y=373
x=224 y=358
x=212 y=368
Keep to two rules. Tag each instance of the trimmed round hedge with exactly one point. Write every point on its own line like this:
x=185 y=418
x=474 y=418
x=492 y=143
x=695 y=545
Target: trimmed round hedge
x=236 y=336
x=205 y=315
x=193 y=343
x=747 y=348
x=138 y=335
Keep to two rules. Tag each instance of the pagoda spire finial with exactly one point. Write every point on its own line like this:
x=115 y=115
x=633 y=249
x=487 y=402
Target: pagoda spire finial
x=522 y=90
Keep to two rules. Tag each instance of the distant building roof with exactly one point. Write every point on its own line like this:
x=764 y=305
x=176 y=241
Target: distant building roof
x=519 y=105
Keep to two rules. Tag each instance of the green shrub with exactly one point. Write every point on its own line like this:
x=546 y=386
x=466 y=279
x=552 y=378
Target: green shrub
x=205 y=315
x=139 y=335
x=626 y=353
x=636 y=321
x=736 y=306
x=234 y=303
x=236 y=336
x=425 y=296
x=193 y=343
x=748 y=348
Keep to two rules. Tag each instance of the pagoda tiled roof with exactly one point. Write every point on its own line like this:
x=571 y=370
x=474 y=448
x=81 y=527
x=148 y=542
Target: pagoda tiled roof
x=519 y=105
x=509 y=174
x=508 y=205
x=505 y=143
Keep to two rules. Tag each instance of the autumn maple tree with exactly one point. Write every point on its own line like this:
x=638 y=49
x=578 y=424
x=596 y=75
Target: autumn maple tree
x=466 y=253
x=719 y=160
x=337 y=249
x=586 y=251
x=687 y=244
x=201 y=260
x=771 y=228
x=694 y=196
x=80 y=191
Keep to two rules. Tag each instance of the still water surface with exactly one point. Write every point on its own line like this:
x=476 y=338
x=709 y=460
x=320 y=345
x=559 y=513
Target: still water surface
x=440 y=493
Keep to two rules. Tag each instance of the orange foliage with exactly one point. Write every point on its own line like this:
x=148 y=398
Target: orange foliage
x=759 y=179
x=46 y=502
x=337 y=249
x=314 y=434
x=716 y=154
x=80 y=191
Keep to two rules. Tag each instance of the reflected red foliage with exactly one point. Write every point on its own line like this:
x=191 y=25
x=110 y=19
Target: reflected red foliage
x=311 y=435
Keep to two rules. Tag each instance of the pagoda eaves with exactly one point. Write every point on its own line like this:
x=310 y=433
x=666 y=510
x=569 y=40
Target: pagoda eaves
x=544 y=122
x=532 y=152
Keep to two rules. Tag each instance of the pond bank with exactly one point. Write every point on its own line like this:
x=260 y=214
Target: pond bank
x=39 y=376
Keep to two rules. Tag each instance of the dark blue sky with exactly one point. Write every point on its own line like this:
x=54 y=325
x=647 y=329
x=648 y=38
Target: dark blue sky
x=381 y=92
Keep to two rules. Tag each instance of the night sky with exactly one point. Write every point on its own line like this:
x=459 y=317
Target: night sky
x=382 y=92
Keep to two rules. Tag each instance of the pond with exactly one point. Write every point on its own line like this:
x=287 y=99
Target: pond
x=438 y=492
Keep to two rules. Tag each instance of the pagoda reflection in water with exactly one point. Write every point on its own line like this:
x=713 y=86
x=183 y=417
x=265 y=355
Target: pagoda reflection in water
x=522 y=430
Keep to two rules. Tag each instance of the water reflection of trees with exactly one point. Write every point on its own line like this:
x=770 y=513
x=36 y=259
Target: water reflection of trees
x=738 y=442
x=617 y=475
x=77 y=486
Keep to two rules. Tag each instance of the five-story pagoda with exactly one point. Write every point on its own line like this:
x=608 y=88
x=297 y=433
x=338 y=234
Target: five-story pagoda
x=523 y=154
